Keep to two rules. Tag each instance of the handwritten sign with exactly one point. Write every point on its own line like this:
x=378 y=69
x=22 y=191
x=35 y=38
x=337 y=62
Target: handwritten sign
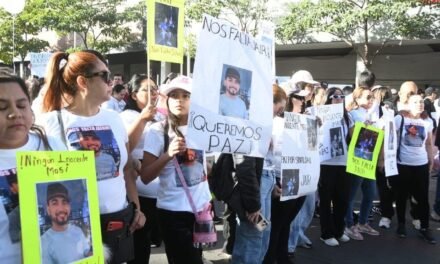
x=39 y=63
x=165 y=30
x=231 y=100
x=364 y=150
x=65 y=180
x=300 y=158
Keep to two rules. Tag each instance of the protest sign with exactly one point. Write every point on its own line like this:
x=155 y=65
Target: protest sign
x=58 y=192
x=165 y=25
x=267 y=35
x=231 y=101
x=300 y=159
x=331 y=134
x=39 y=63
x=364 y=150
x=390 y=142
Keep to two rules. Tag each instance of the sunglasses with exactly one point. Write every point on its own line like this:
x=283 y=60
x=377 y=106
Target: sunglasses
x=335 y=96
x=105 y=76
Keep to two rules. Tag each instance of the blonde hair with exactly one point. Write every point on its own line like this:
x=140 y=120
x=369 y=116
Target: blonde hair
x=357 y=93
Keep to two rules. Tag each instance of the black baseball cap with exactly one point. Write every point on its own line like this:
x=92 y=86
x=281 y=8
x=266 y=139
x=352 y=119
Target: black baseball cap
x=57 y=190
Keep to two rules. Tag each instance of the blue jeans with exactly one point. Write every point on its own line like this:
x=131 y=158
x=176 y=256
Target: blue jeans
x=250 y=244
x=437 y=196
x=368 y=192
x=301 y=223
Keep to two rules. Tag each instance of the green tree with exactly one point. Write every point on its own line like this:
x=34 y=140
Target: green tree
x=100 y=24
x=365 y=25
x=27 y=25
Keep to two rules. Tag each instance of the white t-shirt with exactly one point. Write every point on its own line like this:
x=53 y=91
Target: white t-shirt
x=10 y=228
x=113 y=104
x=145 y=190
x=412 y=145
x=171 y=195
x=107 y=128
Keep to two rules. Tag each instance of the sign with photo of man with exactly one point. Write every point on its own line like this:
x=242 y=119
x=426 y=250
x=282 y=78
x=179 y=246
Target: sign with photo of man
x=165 y=25
x=364 y=150
x=300 y=158
x=231 y=101
x=61 y=188
x=390 y=142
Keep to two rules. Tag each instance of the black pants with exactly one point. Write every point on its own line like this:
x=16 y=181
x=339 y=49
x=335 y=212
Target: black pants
x=142 y=237
x=177 y=232
x=282 y=214
x=412 y=181
x=385 y=195
x=334 y=189
x=232 y=222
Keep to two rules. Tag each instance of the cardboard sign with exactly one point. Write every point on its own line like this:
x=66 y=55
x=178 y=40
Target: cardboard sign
x=165 y=25
x=389 y=142
x=58 y=192
x=364 y=150
x=331 y=134
x=231 y=100
x=300 y=159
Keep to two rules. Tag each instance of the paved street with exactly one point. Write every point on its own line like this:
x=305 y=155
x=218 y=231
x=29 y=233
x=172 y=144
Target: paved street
x=386 y=248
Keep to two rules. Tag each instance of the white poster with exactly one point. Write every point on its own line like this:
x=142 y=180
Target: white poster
x=331 y=134
x=390 y=142
x=267 y=35
x=231 y=101
x=300 y=158
x=39 y=63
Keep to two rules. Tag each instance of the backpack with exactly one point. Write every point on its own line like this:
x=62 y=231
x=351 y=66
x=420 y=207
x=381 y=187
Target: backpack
x=222 y=179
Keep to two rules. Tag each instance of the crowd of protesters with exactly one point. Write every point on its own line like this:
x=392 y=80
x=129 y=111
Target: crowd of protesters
x=147 y=123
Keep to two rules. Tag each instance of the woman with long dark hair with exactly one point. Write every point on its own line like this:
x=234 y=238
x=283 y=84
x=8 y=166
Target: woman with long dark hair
x=17 y=133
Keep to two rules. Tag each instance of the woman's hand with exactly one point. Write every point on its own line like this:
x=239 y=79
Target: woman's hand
x=176 y=146
x=138 y=221
x=148 y=113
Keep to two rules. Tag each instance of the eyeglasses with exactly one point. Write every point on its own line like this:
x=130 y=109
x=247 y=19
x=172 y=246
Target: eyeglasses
x=105 y=76
x=336 y=96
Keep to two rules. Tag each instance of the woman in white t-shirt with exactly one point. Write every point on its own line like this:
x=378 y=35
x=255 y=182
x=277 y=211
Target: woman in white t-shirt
x=334 y=182
x=17 y=133
x=414 y=160
x=362 y=101
x=138 y=115
x=77 y=84
x=164 y=142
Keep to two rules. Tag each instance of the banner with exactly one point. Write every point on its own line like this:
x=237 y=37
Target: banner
x=39 y=63
x=389 y=142
x=165 y=23
x=267 y=35
x=300 y=159
x=58 y=192
x=364 y=150
x=331 y=134
x=231 y=102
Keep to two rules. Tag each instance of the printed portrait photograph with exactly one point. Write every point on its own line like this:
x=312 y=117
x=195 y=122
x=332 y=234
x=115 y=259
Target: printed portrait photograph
x=365 y=144
x=9 y=198
x=235 y=92
x=336 y=145
x=193 y=169
x=413 y=135
x=101 y=141
x=64 y=221
x=290 y=182
x=391 y=136
x=312 y=134
x=166 y=24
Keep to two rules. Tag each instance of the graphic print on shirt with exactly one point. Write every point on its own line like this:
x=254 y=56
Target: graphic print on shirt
x=101 y=140
x=413 y=135
x=191 y=164
x=9 y=198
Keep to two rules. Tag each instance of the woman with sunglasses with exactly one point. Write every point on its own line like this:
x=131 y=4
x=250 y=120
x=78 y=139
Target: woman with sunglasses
x=358 y=109
x=77 y=84
x=17 y=133
x=139 y=114
x=334 y=182
x=166 y=157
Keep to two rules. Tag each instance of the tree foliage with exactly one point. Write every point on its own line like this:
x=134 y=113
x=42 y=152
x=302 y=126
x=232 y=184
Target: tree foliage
x=366 y=25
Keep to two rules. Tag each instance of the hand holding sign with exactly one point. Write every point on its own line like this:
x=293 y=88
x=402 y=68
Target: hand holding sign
x=176 y=146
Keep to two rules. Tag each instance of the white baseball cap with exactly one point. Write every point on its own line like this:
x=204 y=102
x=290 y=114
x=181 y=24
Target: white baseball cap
x=180 y=82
